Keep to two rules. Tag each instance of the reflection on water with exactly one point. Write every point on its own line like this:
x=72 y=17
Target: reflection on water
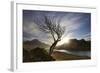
x=79 y=53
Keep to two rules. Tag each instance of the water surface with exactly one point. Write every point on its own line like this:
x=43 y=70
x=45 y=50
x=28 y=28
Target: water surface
x=79 y=53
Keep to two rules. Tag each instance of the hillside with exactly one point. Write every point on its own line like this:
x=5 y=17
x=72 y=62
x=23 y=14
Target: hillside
x=76 y=45
x=28 y=45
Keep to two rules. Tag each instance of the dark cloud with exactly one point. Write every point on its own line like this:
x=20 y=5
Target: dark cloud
x=78 y=23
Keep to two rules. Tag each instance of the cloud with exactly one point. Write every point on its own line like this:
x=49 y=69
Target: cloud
x=31 y=31
x=87 y=36
x=70 y=20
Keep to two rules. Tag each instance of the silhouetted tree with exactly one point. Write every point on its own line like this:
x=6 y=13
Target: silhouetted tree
x=52 y=25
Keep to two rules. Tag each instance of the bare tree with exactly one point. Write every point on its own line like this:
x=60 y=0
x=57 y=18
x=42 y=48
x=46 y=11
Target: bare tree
x=52 y=25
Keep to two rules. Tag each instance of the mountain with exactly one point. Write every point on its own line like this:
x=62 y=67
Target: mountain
x=36 y=55
x=76 y=45
x=28 y=45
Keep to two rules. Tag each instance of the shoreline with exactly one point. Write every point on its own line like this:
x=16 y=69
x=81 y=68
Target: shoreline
x=64 y=56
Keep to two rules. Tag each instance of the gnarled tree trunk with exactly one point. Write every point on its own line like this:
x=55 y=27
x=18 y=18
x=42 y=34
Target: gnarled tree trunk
x=53 y=46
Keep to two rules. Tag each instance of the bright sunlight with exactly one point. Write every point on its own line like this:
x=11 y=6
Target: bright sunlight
x=64 y=40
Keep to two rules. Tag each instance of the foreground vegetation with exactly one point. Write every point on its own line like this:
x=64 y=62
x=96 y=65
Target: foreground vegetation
x=41 y=55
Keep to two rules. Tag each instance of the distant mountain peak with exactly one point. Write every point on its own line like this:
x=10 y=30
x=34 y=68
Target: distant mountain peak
x=33 y=44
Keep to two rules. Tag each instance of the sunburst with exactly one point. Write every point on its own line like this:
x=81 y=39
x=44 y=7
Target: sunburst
x=64 y=40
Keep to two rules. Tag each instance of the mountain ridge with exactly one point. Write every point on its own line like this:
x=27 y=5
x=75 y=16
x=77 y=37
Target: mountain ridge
x=28 y=45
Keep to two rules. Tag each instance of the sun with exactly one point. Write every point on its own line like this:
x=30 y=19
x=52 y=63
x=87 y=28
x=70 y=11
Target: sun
x=64 y=40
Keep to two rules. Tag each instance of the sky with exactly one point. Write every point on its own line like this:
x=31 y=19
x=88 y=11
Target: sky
x=77 y=25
